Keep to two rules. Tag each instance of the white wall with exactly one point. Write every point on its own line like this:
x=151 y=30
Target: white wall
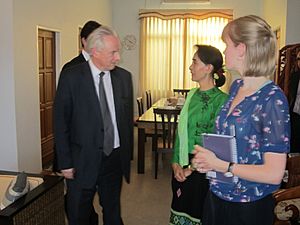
x=125 y=21
x=284 y=14
x=292 y=22
x=20 y=102
x=8 y=149
x=275 y=12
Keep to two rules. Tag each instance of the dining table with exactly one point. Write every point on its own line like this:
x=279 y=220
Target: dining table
x=146 y=121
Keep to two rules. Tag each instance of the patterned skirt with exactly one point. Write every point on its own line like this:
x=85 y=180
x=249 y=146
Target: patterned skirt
x=188 y=200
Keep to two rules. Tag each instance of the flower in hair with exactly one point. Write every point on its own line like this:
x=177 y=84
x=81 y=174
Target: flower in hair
x=224 y=68
x=216 y=76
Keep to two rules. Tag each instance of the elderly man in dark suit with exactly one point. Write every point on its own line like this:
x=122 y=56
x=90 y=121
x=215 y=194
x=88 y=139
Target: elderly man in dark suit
x=86 y=30
x=94 y=146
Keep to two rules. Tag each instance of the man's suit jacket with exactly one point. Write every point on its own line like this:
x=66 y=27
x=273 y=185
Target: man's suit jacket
x=293 y=87
x=78 y=125
x=75 y=61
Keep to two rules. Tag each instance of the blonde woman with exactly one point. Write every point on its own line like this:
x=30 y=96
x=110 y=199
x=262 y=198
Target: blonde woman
x=258 y=109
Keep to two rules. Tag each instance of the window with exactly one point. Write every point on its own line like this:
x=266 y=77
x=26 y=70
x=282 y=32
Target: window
x=167 y=46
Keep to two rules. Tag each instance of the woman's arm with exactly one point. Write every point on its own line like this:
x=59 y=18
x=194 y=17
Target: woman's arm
x=271 y=172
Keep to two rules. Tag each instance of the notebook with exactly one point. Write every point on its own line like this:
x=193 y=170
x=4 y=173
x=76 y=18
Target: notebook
x=224 y=146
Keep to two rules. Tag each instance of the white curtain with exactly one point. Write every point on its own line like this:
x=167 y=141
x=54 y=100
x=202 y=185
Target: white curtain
x=167 y=46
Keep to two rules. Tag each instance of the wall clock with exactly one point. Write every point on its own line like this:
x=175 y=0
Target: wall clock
x=129 y=42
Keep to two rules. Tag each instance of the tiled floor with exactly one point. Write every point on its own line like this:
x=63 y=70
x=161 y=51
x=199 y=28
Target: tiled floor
x=146 y=201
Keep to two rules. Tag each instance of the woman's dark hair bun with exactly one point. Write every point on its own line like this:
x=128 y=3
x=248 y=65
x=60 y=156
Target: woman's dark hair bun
x=219 y=77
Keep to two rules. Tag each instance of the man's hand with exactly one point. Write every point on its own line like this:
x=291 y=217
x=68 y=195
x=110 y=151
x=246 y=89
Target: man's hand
x=68 y=173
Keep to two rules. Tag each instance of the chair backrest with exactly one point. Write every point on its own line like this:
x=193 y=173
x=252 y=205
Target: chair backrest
x=165 y=126
x=293 y=168
x=148 y=99
x=287 y=203
x=182 y=92
x=286 y=66
x=140 y=105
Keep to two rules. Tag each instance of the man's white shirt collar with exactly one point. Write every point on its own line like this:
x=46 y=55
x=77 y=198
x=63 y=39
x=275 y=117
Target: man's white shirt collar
x=85 y=55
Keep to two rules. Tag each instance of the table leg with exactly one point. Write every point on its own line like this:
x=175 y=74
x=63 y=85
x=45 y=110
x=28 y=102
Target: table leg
x=141 y=150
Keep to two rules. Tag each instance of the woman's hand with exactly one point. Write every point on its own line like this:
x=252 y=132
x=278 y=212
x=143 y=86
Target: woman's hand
x=205 y=160
x=180 y=174
x=187 y=172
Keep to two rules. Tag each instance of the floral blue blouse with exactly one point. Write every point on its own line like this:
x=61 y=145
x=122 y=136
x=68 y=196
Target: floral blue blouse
x=262 y=124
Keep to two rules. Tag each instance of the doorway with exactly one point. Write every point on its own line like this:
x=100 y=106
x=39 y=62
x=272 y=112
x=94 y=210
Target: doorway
x=47 y=87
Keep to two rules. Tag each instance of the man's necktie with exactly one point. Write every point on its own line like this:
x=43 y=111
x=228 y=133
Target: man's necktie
x=108 y=140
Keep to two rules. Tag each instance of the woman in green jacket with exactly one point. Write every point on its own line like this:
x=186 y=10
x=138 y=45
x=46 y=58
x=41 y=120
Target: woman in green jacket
x=197 y=116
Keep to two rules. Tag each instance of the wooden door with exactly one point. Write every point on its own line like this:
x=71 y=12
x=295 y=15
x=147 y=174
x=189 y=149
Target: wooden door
x=47 y=82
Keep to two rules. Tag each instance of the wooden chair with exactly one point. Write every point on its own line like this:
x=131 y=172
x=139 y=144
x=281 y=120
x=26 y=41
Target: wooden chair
x=140 y=105
x=148 y=132
x=165 y=131
x=286 y=66
x=148 y=99
x=287 y=199
x=183 y=92
x=293 y=170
